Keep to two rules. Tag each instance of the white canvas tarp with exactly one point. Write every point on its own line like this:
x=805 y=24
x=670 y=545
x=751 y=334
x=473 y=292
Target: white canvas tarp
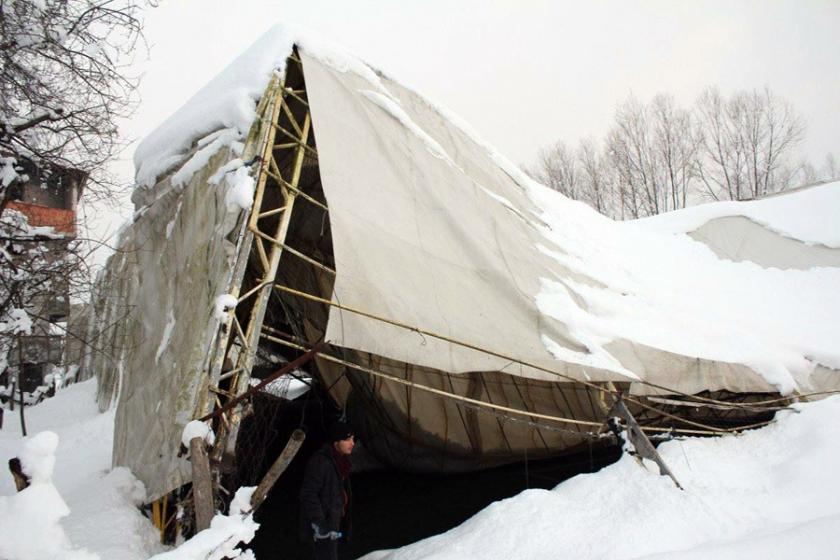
x=428 y=229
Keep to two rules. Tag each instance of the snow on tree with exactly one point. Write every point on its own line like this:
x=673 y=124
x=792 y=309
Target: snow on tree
x=63 y=85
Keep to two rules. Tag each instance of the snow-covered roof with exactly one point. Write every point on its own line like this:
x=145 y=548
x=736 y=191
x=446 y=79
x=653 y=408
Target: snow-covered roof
x=766 y=494
x=221 y=113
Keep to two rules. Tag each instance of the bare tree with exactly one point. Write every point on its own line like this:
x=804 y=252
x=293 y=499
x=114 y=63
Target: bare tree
x=630 y=150
x=831 y=169
x=63 y=87
x=557 y=168
x=806 y=174
x=747 y=142
x=595 y=180
x=722 y=168
x=676 y=142
x=659 y=156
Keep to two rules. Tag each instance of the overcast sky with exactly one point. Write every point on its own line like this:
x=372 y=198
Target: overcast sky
x=525 y=73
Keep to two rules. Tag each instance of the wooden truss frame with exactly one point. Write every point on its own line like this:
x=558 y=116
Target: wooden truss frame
x=261 y=244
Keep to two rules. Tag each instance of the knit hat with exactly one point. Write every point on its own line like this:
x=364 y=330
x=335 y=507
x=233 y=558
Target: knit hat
x=339 y=431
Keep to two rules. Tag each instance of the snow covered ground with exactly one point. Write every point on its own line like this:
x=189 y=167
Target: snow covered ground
x=767 y=494
x=770 y=493
x=103 y=519
x=78 y=507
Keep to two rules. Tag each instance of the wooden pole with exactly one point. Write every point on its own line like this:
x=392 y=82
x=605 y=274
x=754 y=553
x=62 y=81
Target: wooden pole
x=22 y=419
x=280 y=465
x=202 y=484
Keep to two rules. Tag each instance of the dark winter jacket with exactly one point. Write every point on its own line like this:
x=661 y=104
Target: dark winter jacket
x=322 y=495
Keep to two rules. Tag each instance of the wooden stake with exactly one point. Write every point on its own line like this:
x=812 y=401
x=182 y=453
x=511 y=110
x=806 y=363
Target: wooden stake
x=21 y=480
x=280 y=465
x=202 y=484
x=22 y=419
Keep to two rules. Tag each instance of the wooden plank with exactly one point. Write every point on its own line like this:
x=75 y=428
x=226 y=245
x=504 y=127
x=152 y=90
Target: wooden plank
x=202 y=484
x=279 y=466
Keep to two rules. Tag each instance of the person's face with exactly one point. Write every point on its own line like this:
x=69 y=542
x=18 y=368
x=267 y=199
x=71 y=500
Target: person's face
x=345 y=446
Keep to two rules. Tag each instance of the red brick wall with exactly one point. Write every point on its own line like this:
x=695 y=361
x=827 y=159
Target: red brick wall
x=63 y=221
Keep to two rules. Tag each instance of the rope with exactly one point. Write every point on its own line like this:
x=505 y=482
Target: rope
x=478 y=403
x=457 y=342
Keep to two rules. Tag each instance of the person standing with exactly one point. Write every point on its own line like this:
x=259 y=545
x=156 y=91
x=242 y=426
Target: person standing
x=325 y=494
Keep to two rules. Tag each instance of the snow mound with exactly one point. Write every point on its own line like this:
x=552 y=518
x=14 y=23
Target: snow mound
x=221 y=113
x=221 y=540
x=672 y=293
x=29 y=520
x=81 y=508
x=770 y=493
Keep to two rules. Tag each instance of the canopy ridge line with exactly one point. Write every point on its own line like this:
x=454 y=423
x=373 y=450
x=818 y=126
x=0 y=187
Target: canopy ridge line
x=489 y=352
x=474 y=402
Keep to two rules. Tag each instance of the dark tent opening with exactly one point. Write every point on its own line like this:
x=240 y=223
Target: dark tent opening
x=390 y=508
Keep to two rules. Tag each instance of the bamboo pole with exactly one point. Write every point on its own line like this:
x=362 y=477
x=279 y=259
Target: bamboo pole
x=261 y=136
x=163 y=522
x=493 y=353
x=251 y=339
x=480 y=403
x=156 y=514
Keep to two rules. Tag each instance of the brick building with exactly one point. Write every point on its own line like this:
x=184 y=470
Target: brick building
x=48 y=198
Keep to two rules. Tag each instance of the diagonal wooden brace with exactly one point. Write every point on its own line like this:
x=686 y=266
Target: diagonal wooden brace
x=285 y=369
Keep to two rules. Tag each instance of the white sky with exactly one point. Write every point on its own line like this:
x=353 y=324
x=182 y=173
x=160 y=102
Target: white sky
x=525 y=73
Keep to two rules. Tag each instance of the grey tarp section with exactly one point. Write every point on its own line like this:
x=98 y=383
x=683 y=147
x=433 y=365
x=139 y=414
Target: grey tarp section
x=737 y=238
x=155 y=321
x=448 y=243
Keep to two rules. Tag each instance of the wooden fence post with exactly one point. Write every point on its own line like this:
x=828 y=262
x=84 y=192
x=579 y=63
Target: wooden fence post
x=202 y=484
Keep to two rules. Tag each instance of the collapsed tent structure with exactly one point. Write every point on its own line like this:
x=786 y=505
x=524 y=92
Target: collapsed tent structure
x=461 y=314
